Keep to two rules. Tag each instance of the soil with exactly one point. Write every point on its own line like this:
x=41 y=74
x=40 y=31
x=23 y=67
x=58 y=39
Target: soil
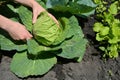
x=92 y=67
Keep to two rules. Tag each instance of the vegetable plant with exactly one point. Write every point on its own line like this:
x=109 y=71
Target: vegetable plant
x=39 y=54
x=107 y=29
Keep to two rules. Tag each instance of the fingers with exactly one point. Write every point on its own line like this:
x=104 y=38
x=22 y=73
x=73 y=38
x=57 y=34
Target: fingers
x=35 y=14
x=37 y=9
x=18 y=32
x=53 y=18
x=25 y=34
x=29 y=36
x=24 y=37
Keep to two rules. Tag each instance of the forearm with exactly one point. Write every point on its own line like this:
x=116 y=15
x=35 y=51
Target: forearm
x=30 y=3
x=26 y=2
x=4 y=22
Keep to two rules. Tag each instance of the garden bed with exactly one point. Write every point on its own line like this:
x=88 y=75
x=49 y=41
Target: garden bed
x=92 y=67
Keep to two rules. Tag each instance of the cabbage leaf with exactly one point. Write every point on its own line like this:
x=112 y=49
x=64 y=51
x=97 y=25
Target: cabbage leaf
x=45 y=30
x=25 y=65
x=38 y=55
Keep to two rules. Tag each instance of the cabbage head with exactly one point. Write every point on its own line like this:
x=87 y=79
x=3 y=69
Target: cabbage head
x=45 y=30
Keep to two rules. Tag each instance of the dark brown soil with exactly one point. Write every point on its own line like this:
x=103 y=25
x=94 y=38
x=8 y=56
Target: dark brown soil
x=92 y=67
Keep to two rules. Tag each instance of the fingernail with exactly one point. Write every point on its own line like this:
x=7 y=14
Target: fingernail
x=33 y=22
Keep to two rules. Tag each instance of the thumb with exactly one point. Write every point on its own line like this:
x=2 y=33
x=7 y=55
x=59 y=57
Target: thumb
x=53 y=18
x=34 y=16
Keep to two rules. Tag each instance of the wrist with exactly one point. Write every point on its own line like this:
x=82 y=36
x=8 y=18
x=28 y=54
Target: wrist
x=26 y=2
x=5 y=23
x=33 y=3
x=37 y=6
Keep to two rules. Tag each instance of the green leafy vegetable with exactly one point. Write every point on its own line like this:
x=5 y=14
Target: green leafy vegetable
x=74 y=47
x=79 y=7
x=107 y=31
x=26 y=17
x=45 y=30
x=7 y=43
x=25 y=65
x=38 y=55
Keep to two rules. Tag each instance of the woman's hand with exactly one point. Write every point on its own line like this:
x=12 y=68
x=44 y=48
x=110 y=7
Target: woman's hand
x=37 y=9
x=16 y=30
